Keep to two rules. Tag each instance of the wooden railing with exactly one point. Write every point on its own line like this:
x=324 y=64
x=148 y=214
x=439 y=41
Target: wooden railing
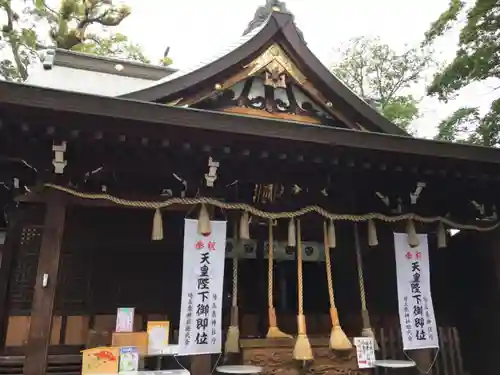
x=61 y=364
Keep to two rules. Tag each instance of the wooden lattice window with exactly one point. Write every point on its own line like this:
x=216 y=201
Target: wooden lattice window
x=24 y=270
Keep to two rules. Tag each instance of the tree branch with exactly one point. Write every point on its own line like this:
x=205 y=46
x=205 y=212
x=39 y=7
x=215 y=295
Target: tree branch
x=13 y=41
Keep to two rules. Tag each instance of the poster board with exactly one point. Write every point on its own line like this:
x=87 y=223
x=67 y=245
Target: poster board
x=103 y=360
x=125 y=319
x=129 y=359
x=365 y=351
x=158 y=337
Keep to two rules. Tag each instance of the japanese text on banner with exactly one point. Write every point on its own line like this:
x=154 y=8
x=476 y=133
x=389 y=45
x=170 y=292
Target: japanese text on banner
x=202 y=282
x=416 y=311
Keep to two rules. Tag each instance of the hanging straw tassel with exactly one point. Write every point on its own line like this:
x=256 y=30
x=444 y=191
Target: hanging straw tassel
x=441 y=236
x=302 y=350
x=411 y=232
x=273 y=331
x=244 y=226
x=372 y=233
x=367 y=330
x=204 y=225
x=338 y=339
x=233 y=332
x=332 y=239
x=291 y=233
x=157 y=232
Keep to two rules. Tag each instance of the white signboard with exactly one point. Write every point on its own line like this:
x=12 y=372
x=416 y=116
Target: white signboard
x=125 y=319
x=365 y=350
x=202 y=281
x=416 y=312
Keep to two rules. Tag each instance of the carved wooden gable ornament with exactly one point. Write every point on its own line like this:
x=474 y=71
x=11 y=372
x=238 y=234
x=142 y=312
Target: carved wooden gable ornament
x=276 y=65
x=271 y=85
x=269 y=72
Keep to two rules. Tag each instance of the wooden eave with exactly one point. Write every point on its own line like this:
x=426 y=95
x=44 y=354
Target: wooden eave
x=35 y=98
x=281 y=29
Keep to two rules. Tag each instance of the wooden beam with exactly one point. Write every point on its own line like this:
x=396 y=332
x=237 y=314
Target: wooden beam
x=40 y=105
x=44 y=293
x=209 y=91
x=7 y=257
x=77 y=201
x=280 y=116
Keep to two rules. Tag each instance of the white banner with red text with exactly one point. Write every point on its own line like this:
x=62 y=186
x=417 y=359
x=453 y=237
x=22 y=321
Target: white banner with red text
x=202 y=283
x=416 y=311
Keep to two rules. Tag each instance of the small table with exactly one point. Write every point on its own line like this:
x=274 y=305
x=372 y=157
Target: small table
x=239 y=369
x=168 y=351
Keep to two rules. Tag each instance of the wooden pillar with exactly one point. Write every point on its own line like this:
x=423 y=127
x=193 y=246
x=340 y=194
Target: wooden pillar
x=44 y=295
x=9 y=249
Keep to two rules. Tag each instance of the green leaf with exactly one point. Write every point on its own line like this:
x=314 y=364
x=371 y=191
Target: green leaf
x=39 y=4
x=477 y=60
x=401 y=110
x=458 y=125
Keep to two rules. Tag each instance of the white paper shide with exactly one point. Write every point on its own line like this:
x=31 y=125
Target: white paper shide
x=416 y=311
x=202 y=282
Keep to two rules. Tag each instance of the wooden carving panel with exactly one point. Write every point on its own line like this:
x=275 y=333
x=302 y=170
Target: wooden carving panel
x=24 y=271
x=275 y=356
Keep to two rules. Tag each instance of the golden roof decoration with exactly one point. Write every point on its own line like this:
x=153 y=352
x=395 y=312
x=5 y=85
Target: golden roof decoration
x=276 y=61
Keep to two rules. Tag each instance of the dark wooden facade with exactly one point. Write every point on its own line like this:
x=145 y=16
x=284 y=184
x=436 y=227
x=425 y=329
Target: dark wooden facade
x=313 y=142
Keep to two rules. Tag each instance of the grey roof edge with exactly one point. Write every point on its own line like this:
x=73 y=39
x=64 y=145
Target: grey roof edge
x=316 y=67
x=208 y=68
x=102 y=64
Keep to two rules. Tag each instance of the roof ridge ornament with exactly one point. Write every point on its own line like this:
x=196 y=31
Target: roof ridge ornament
x=263 y=12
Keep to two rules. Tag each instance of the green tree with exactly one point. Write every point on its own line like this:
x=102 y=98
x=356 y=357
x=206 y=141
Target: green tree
x=384 y=77
x=80 y=25
x=115 y=45
x=18 y=42
x=477 y=59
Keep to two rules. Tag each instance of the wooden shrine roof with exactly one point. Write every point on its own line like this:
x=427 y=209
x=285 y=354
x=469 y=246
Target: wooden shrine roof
x=60 y=103
x=279 y=29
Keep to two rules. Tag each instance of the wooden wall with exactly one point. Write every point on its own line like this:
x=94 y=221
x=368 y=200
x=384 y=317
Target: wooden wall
x=474 y=273
x=108 y=261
